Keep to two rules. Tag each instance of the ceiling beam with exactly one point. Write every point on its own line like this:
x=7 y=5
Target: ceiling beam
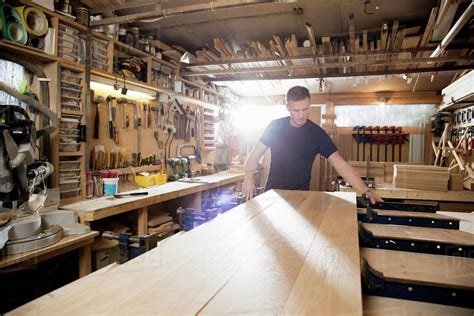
x=260 y=70
x=227 y=62
x=162 y=12
x=463 y=19
x=338 y=75
x=370 y=98
x=128 y=5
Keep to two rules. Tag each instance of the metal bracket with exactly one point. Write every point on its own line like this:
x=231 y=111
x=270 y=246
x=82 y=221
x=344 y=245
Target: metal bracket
x=459 y=102
x=374 y=283
x=395 y=206
x=367 y=239
x=372 y=216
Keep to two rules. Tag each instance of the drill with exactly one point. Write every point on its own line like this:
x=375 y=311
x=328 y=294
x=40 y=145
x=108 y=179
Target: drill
x=189 y=171
x=183 y=163
x=173 y=162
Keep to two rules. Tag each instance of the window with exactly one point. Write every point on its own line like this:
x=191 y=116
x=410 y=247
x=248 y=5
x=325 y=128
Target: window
x=11 y=74
x=396 y=114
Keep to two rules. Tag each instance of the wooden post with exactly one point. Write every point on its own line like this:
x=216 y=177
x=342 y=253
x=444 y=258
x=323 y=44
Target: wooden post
x=84 y=260
x=143 y=221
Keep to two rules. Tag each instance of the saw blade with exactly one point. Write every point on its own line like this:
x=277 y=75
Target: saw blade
x=46 y=238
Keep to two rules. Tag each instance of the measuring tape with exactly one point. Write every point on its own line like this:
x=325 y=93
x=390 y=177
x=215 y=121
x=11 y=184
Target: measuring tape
x=34 y=20
x=12 y=26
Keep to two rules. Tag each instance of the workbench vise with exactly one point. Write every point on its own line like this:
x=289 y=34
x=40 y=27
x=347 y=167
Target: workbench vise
x=132 y=246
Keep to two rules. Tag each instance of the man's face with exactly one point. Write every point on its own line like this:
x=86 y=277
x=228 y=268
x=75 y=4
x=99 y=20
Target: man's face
x=299 y=112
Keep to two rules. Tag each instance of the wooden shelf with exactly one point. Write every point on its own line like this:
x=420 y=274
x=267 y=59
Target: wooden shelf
x=71 y=112
x=71 y=154
x=124 y=48
x=24 y=50
x=131 y=170
x=63 y=19
x=141 y=84
x=71 y=65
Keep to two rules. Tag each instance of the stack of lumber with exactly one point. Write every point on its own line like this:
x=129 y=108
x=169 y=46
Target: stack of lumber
x=420 y=177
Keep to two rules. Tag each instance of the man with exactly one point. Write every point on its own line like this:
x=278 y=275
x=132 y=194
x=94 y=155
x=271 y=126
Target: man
x=294 y=142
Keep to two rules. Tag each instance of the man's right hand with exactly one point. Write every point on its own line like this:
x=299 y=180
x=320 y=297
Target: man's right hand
x=248 y=188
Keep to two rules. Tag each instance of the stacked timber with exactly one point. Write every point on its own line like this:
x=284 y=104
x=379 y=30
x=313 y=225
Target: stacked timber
x=420 y=177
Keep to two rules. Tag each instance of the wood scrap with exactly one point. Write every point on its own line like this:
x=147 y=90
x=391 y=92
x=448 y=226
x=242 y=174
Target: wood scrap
x=420 y=177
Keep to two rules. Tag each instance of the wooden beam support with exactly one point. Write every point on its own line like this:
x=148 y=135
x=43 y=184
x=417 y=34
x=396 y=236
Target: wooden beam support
x=339 y=75
x=427 y=97
x=329 y=65
x=463 y=19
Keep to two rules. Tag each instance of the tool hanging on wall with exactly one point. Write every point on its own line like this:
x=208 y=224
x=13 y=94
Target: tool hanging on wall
x=111 y=122
x=96 y=99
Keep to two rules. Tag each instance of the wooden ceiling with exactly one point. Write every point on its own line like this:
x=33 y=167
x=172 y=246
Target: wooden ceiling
x=256 y=40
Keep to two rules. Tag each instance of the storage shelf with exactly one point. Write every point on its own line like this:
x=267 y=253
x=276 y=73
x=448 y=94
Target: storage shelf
x=24 y=50
x=124 y=48
x=180 y=96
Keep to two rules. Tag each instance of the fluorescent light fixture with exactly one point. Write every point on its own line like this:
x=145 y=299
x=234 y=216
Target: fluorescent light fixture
x=102 y=88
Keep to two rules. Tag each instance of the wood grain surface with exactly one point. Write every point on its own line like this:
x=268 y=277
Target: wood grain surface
x=384 y=306
x=421 y=268
x=450 y=236
x=283 y=252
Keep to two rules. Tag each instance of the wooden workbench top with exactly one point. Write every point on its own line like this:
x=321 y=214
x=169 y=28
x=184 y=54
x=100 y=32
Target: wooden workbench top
x=94 y=209
x=388 y=190
x=421 y=268
x=71 y=241
x=449 y=236
x=290 y=252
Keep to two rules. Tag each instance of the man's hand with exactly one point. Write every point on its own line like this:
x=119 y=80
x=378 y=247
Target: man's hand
x=248 y=188
x=374 y=198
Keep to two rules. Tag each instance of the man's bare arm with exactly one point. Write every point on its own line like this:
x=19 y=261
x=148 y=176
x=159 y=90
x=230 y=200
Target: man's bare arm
x=248 y=188
x=351 y=176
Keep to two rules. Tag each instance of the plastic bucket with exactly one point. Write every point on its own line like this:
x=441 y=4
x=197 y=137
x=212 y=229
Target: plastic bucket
x=110 y=186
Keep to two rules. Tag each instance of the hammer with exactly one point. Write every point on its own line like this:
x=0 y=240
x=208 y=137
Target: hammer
x=97 y=99
x=111 y=122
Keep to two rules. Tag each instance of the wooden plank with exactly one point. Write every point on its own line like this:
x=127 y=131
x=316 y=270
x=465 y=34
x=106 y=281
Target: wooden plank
x=384 y=306
x=292 y=241
x=388 y=190
x=394 y=213
x=421 y=233
x=268 y=240
x=421 y=268
x=322 y=261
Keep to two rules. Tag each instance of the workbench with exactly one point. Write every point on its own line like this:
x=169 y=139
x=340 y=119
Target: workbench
x=67 y=243
x=283 y=252
x=95 y=209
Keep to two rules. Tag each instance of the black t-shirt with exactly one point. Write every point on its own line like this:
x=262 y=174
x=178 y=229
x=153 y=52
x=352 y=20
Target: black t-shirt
x=293 y=150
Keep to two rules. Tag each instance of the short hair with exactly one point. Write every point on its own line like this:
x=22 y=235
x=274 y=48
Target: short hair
x=297 y=93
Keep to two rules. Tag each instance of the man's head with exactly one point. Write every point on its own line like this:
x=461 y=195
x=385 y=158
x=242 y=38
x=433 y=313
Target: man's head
x=297 y=103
